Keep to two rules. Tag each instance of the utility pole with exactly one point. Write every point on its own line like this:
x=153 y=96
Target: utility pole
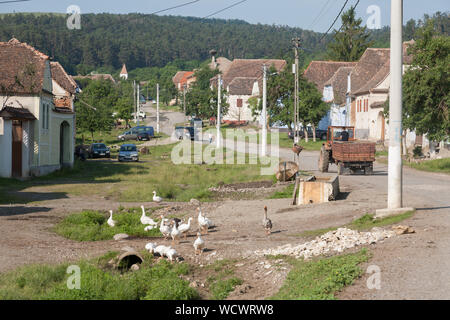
x=138 y=104
x=395 y=201
x=219 y=94
x=184 y=98
x=157 y=107
x=134 y=99
x=264 y=113
x=296 y=42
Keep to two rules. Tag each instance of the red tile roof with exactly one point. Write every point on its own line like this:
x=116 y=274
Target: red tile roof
x=241 y=86
x=62 y=78
x=250 y=68
x=319 y=72
x=22 y=67
x=339 y=83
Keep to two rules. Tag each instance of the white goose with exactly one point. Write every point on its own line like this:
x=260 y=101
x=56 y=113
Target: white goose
x=161 y=250
x=171 y=254
x=175 y=234
x=203 y=222
x=184 y=228
x=150 y=247
x=164 y=229
x=199 y=244
x=110 y=221
x=156 y=198
x=147 y=220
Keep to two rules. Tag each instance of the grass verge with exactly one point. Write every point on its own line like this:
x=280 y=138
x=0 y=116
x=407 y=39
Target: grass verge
x=91 y=225
x=321 y=279
x=153 y=281
x=438 y=165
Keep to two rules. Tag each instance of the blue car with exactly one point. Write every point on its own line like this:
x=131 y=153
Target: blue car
x=128 y=152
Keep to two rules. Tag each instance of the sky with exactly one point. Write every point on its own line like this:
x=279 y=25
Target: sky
x=315 y=15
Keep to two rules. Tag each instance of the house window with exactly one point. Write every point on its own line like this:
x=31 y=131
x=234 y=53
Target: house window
x=45 y=116
x=239 y=103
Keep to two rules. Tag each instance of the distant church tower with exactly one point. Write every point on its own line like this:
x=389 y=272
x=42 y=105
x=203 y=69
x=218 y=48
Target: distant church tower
x=124 y=73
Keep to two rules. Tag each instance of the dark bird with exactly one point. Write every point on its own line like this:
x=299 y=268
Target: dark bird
x=267 y=223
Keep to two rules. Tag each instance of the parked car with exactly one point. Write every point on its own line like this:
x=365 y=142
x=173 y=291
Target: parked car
x=320 y=134
x=128 y=152
x=98 y=150
x=141 y=114
x=185 y=132
x=133 y=133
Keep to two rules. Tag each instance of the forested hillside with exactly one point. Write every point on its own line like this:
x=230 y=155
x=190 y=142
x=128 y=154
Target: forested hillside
x=139 y=40
x=105 y=41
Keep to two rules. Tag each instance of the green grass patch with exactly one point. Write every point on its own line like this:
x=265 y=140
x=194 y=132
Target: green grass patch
x=366 y=222
x=223 y=281
x=92 y=225
x=321 y=279
x=438 y=165
x=285 y=193
x=135 y=182
x=154 y=281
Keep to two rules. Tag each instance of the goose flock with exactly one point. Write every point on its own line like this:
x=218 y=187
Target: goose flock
x=175 y=230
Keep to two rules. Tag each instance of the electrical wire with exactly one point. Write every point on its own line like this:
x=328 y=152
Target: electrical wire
x=175 y=7
x=337 y=17
x=320 y=14
x=354 y=7
x=226 y=8
x=11 y=1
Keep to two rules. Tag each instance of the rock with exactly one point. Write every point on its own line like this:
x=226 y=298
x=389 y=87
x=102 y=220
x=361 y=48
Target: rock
x=127 y=248
x=194 y=202
x=403 y=229
x=144 y=150
x=135 y=267
x=120 y=236
x=194 y=284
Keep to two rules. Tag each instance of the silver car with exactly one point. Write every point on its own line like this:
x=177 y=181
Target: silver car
x=128 y=152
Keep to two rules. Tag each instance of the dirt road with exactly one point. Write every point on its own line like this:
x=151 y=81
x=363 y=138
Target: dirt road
x=412 y=266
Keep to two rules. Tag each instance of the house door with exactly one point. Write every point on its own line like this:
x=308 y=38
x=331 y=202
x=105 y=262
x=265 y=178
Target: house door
x=381 y=126
x=64 y=143
x=17 y=148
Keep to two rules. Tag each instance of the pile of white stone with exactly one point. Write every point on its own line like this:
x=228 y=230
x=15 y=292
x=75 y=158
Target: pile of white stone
x=331 y=242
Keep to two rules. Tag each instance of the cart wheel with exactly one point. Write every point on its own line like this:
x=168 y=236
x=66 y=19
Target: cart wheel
x=368 y=171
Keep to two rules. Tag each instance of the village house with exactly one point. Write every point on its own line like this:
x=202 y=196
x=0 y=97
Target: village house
x=321 y=74
x=37 y=118
x=183 y=80
x=243 y=80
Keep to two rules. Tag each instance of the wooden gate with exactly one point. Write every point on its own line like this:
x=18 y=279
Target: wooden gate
x=17 y=136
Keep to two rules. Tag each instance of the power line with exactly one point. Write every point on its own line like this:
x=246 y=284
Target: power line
x=175 y=7
x=10 y=1
x=320 y=14
x=354 y=7
x=342 y=9
x=221 y=10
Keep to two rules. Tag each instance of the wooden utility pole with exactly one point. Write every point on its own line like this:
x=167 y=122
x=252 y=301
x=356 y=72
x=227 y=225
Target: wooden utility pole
x=296 y=42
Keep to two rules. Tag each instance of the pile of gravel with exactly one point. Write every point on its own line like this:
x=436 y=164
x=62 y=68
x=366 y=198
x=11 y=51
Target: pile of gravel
x=333 y=241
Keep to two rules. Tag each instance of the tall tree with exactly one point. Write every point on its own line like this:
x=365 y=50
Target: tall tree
x=350 y=42
x=426 y=89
